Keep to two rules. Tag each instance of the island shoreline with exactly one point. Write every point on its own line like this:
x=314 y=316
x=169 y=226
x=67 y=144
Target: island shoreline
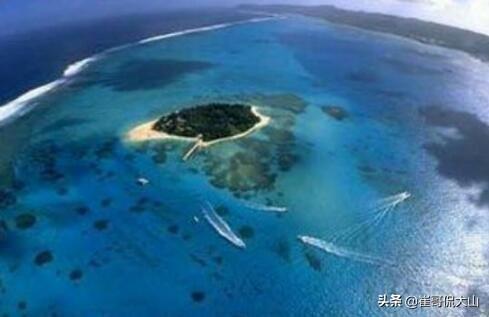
x=145 y=132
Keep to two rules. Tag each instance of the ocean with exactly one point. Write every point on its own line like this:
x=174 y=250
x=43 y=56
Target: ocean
x=333 y=211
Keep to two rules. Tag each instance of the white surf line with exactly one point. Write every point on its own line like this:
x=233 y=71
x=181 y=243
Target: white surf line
x=77 y=67
x=342 y=252
x=221 y=227
x=25 y=102
x=22 y=104
x=267 y=14
x=202 y=29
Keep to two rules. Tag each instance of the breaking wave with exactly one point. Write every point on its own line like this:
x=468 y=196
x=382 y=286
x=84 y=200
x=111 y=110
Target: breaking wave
x=221 y=227
x=77 y=67
x=180 y=33
x=19 y=106
x=201 y=29
x=23 y=103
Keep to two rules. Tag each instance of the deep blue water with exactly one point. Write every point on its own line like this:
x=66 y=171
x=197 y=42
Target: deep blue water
x=102 y=245
x=34 y=58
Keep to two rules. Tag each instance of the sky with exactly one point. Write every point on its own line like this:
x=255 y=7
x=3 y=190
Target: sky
x=21 y=15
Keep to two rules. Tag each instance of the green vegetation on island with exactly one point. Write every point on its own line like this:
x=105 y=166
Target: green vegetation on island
x=473 y=43
x=211 y=121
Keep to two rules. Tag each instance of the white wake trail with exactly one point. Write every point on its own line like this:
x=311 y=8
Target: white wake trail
x=393 y=201
x=351 y=232
x=380 y=210
x=333 y=249
x=221 y=227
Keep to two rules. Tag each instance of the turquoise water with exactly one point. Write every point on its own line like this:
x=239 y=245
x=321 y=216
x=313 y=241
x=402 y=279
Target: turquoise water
x=121 y=249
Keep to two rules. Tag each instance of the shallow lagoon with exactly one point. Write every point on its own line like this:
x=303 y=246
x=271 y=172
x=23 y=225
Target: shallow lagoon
x=103 y=245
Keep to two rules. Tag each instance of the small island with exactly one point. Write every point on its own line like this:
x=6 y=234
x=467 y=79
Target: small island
x=204 y=124
x=212 y=121
x=335 y=112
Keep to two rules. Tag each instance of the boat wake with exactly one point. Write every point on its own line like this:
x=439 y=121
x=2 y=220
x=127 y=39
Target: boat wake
x=255 y=206
x=380 y=210
x=333 y=249
x=221 y=227
x=391 y=202
x=22 y=104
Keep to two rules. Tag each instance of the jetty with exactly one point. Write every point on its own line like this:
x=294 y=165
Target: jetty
x=197 y=145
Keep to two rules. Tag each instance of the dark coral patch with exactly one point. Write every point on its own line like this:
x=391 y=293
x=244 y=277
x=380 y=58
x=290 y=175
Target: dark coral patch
x=101 y=224
x=62 y=191
x=43 y=157
x=392 y=94
x=63 y=124
x=246 y=232
x=159 y=153
x=245 y=172
x=106 y=149
x=76 y=274
x=286 y=159
x=3 y=230
x=137 y=208
x=218 y=259
x=198 y=260
x=412 y=68
x=25 y=221
x=222 y=210
x=82 y=210
x=157 y=73
x=142 y=201
x=363 y=76
x=313 y=261
x=198 y=296
x=282 y=248
x=173 y=229
x=106 y=202
x=22 y=305
x=7 y=198
x=366 y=169
x=142 y=204
x=43 y=257
x=464 y=157
x=335 y=112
